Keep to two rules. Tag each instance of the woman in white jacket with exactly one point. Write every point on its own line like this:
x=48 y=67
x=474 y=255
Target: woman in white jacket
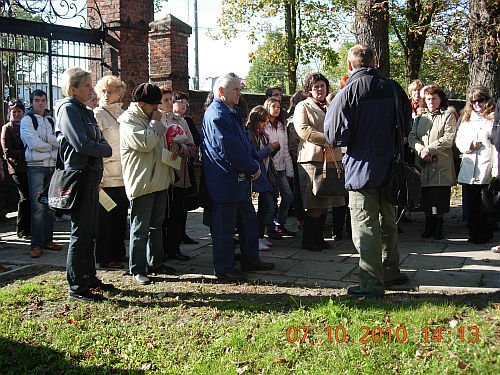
x=110 y=243
x=478 y=159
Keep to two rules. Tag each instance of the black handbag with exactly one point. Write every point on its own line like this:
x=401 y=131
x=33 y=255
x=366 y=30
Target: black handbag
x=63 y=187
x=490 y=198
x=329 y=181
x=403 y=184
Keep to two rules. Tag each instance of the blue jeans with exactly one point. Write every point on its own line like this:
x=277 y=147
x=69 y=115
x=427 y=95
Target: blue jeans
x=80 y=264
x=146 y=219
x=265 y=212
x=286 y=197
x=375 y=236
x=226 y=217
x=42 y=217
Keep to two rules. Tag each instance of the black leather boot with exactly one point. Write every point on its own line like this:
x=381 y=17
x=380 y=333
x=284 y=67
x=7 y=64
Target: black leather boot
x=438 y=228
x=309 y=234
x=338 y=216
x=320 y=236
x=429 y=223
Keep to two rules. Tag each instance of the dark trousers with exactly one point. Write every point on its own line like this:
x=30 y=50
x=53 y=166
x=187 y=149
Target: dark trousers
x=226 y=217
x=173 y=226
x=298 y=207
x=80 y=264
x=480 y=224
x=110 y=244
x=24 y=205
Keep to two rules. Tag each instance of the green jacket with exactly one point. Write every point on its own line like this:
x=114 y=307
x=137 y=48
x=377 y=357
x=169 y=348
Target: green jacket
x=141 y=145
x=436 y=131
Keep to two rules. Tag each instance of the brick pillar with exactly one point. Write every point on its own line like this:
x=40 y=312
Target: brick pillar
x=168 y=40
x=126 y=48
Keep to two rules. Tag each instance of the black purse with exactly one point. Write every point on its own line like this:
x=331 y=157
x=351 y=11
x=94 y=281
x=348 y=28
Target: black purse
x=329 y=181
x=490 y=198
x=403 y=184
x=61 y=192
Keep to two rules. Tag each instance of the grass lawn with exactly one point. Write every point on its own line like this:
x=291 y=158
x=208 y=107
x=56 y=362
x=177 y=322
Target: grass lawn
x=179 y=327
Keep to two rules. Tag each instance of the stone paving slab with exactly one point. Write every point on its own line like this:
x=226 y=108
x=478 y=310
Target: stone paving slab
x=451 y=264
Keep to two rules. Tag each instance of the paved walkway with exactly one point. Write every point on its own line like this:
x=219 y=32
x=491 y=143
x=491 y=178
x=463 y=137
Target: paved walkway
x=452 y=264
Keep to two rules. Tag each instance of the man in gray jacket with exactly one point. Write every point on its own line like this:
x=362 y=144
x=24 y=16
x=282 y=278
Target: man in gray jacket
x=38 y=136
x=363 y=118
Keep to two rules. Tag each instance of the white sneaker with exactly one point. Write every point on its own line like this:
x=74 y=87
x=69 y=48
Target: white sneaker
x=496 y=249
x=142 y=279
x=263 y=246
x=267 y=242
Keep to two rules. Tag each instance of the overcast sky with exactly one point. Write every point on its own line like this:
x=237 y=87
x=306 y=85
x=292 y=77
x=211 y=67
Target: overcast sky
x=215 y=57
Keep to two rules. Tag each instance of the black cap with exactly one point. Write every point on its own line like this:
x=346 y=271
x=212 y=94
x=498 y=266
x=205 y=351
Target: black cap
x=147 y=93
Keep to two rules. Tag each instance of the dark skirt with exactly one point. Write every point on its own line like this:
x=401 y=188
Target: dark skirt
x=435 y=200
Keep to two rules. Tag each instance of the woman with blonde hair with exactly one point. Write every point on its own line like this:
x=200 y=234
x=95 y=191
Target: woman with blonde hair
x=414 y=95
x=478 y=159
x=110 y=244
x=82 y=147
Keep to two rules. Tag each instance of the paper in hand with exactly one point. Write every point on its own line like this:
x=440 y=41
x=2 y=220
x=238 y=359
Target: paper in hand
x=166 y=157
x=106 y=201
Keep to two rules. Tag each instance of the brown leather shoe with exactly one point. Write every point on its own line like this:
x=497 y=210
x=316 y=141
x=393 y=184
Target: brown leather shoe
x=53 y=246
x=36 y=252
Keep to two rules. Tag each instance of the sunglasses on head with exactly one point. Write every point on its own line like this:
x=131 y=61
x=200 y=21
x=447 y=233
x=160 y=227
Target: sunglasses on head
x=15 y=103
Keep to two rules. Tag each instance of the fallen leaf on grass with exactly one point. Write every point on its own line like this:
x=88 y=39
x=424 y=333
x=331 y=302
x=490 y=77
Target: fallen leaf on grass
x=241 y=370
x=453 y=323
x=492 y=360
x=430 y=322
x=461 y=365
x=146 y=366
x=418 y=354
x=71 y=321
x=281 y=360
x=430 y=354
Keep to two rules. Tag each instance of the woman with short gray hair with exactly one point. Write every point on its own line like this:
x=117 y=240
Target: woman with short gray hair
x=82 y=147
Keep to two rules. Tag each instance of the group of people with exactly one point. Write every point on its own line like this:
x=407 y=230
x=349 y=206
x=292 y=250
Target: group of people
x=142 y=158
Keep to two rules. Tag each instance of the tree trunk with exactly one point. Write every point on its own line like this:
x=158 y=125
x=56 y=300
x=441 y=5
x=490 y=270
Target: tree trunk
x=371 y=27
x=484 y=45
x=291 y=47
x=419 y=22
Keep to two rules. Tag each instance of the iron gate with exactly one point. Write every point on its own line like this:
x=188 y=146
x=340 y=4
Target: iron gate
x=35 y=48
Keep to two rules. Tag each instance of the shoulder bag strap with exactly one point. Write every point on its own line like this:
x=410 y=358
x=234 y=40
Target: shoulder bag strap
x=398 y=138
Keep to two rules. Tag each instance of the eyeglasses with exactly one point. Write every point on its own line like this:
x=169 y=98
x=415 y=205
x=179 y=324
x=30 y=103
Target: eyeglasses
x=478 y=101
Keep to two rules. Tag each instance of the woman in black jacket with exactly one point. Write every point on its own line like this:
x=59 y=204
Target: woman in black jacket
x=82 y=147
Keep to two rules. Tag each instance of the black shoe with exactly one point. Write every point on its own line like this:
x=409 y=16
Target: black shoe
x=357 y=291
x=400 y=280
x=162 y=270
x=284 y=232
x=103 y=287
x=274 y=235
x=86 y=296
x=180 y=256
x=189 y=241
x=262 y=266
x=312 y=246
x=235 y=275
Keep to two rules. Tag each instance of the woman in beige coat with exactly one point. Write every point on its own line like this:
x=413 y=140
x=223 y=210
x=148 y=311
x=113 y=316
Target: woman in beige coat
x=308 y=119
x=432 y=137
x=110 y=243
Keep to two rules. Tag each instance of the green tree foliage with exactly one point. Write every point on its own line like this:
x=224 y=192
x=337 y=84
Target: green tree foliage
x=268 y=66
x=309 y=27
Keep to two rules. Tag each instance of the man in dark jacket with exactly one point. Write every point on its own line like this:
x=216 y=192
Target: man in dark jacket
x=229 y=168
x=363 y=118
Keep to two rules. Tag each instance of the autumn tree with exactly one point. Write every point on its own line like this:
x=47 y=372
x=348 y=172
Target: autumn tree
x=484 y=44
x=371 y=27
x=268 y=65
x=309 y=27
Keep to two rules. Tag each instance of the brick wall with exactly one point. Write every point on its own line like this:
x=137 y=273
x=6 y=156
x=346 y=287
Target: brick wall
x=168 y=40
x=126 y=49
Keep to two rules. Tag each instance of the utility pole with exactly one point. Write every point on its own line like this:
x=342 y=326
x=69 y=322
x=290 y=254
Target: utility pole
x=196 y=80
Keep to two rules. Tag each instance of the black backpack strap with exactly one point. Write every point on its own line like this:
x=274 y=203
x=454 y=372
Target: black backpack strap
x=35 y=122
